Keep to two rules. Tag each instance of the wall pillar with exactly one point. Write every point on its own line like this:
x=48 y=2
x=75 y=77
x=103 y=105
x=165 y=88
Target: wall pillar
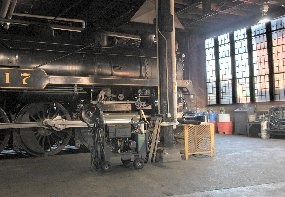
x=167 y=69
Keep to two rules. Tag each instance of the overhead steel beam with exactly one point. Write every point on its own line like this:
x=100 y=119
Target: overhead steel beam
x=4 y=8
x=53 y=26
x=61 y=19
x=188 y=8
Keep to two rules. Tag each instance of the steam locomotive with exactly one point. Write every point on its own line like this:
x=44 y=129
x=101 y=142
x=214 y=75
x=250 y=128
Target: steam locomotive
x=44 y=79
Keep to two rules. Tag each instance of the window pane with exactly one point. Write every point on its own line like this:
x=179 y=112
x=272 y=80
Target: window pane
x=225 y=69
x=278 y=38
x=242 y=68
x=260 y=63
x=211 y=71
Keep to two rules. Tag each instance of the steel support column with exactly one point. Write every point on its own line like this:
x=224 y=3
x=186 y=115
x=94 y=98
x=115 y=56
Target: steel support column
x=250 y=65
x=167 y=69
x=270 y=61
x=233 y=63
x=217 y=65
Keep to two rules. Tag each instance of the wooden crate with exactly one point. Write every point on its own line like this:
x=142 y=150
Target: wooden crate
x=199 y=139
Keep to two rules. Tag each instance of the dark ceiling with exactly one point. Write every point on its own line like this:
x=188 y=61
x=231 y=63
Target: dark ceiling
x=203 y=16
x=210 y=16
x=101 y=14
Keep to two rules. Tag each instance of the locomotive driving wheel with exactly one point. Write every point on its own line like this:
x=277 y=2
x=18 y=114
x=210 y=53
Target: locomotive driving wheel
x=4 y=133
x=42 y=141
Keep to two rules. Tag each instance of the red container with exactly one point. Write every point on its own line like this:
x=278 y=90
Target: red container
x=225 y=128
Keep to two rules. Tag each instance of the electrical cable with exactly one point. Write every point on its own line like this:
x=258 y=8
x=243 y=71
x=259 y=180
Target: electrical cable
x=66 y=10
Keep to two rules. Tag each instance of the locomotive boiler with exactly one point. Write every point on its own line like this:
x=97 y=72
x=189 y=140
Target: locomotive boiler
x=43 y=81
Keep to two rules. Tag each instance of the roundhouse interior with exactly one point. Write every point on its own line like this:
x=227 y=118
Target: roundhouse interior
x=188 y=92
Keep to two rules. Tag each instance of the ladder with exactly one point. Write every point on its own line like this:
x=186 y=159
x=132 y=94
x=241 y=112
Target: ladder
x=154 y=138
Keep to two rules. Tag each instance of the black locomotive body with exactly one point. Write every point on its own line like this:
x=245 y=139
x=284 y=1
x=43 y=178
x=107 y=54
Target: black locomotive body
x=48 y=80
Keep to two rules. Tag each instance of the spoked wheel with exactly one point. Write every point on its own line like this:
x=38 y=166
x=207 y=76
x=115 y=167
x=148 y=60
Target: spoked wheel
x=4 y=133
x=106 y=166
x=138 y=163
x=43 y=141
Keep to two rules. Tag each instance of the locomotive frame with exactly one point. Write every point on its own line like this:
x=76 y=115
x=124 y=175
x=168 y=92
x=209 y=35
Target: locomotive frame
x=45 y=85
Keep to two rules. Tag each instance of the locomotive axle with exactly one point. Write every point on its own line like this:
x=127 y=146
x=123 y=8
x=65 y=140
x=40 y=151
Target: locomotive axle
x=56 y=125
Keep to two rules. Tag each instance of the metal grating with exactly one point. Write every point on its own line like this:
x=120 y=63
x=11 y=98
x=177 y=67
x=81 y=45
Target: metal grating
x=278 y=45
x=257 y=78
x=211 y=71
x=179 y=132
x=199 y=139
x=242 y=67
x=260 y=63
x=225 y=69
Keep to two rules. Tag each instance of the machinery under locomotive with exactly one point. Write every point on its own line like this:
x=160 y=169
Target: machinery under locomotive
x=45 y=82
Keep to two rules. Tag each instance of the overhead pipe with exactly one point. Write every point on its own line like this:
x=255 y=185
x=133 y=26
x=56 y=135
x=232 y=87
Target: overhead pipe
x=6 y=17
x=53 y=26
x=11 y=11
x=83 y=25
x=102 y=37
x=122 y=35
x=4 y=8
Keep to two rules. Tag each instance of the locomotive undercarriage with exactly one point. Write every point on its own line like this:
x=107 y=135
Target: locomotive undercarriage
x=42 y=114
x=45 y=86
x=43 y=122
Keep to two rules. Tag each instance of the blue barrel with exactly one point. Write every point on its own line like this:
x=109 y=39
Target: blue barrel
x=213 y=117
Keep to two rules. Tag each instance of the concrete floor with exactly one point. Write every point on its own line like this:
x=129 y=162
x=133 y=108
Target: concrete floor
x=242 y=166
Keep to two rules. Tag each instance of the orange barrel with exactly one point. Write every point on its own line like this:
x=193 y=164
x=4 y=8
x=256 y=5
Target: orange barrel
x=225 y=127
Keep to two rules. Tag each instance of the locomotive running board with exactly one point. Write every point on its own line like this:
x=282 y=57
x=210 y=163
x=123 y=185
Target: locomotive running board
x=15 y=78
x=112 y=81
x=102 y=81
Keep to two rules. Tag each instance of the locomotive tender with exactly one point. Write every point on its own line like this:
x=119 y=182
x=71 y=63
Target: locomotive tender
x=42 y=81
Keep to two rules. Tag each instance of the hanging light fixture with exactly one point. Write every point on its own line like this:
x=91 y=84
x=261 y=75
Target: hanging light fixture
x=264 y=13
